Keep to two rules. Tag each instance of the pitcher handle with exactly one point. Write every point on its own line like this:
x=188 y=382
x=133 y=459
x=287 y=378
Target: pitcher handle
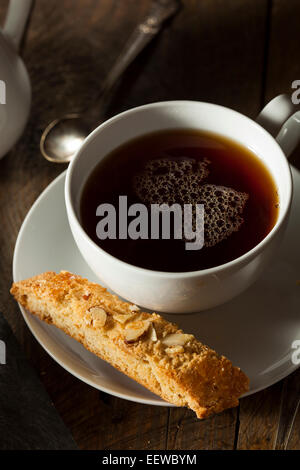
x=16 y=18
x=281 y=118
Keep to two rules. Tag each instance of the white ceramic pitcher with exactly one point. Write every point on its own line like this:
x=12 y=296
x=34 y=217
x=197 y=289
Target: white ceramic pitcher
x=15 y=90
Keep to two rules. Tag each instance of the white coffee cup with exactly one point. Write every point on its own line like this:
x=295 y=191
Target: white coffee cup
x=198 y=290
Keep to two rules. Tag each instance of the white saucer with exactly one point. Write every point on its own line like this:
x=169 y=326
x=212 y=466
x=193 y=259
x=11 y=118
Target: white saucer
x=255 y=330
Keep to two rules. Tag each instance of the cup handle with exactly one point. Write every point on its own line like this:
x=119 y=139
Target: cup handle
x=16 y=18
x=289 y=135
x=282 y=120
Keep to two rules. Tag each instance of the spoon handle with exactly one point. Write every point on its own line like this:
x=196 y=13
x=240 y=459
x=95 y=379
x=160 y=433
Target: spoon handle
x=159 y=12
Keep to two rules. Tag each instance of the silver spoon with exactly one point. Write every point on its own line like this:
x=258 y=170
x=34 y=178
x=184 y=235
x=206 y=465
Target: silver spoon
x=64 y=136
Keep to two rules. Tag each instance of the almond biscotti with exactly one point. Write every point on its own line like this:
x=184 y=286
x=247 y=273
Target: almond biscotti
x=147 y=348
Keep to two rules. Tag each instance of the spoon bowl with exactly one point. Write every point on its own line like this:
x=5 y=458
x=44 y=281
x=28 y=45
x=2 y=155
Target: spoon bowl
x=63 y=137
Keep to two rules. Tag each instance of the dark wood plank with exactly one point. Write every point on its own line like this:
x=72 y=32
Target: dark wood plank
x=188 y=432
x=269 y=419
x=288 y=436
x=283 y=55
x=209 y=53
x=259 y=419
x=294 y=434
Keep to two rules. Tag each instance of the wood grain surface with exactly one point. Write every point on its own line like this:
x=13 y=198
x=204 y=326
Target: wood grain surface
x=240 y=55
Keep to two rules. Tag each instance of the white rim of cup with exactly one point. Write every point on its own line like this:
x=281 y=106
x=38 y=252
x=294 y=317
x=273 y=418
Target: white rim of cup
x=183 y=274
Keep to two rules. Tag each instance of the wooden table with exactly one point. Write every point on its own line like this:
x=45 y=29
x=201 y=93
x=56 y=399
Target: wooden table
x=240 y=55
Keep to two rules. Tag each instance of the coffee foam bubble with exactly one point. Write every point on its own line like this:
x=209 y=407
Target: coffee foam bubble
x=181 y=180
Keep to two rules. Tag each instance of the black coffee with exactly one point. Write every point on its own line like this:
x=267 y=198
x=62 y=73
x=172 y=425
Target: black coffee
x=185 y=167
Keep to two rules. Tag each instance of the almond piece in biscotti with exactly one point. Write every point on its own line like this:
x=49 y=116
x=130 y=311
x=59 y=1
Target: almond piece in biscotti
x=136 y=330
x=176 y=339
x=96 y=316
